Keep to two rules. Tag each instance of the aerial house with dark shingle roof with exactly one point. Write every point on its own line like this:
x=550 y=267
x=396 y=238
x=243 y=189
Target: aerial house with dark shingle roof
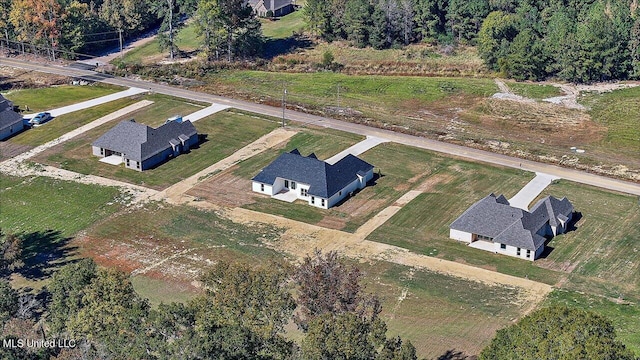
x=492 y=224
x=292 y=176
x=11 y=122
x=141 y=147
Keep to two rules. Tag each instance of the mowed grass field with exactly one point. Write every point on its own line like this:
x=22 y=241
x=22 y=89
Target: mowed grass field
x=68 y=122
x=422 y=225
x=606 y=242
x=440 y=313
x=619 y=111
x=283 y=27
x=42 y=99
x=226 y=133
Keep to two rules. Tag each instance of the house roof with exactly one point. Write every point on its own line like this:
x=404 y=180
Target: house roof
x=139 y=142
x=277 y=4
x=324 y=179
x=8 y=117
x=495 y=218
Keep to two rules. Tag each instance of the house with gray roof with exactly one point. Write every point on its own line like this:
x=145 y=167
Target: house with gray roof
x=277 y=7
x=292 y=176
x=492 y=224
x=141 y=147
x=11 y=122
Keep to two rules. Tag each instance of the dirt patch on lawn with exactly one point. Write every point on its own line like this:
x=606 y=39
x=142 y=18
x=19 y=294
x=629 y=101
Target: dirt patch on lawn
x=9 y=150
x=225 y=189
x=14 y=78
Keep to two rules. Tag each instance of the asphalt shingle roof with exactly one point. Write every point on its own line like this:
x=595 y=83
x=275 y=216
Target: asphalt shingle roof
x=8 y=117
x=324 y=179
x=495 y=218
x=140 y=142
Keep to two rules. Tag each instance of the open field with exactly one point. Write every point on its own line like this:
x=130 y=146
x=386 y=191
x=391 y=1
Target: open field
x=41 y=204
x=224 y=137
x=605 y=244
x=422 y=225
x=619 y=112
x=48 y=98
x=66 y=123
x=440 y=313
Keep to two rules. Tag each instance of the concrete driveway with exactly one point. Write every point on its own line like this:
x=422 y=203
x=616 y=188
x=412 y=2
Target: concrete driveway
x=529 y=192
x=357 y=149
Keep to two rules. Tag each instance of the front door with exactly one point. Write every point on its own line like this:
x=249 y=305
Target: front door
x=286 y=184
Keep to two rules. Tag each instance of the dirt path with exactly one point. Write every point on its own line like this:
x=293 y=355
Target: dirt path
x=176 y=193
x=300 y=239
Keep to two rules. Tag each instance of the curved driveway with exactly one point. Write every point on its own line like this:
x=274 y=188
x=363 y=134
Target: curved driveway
x=434 y=145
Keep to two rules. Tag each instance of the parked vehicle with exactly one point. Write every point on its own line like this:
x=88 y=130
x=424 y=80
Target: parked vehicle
x=41 y=118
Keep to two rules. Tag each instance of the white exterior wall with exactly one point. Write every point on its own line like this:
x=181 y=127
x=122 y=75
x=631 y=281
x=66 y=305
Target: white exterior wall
x=461 y=235
x=96 y=151
x=318 y=202
x=513 y=251
x=11 y=130
x=268 y=189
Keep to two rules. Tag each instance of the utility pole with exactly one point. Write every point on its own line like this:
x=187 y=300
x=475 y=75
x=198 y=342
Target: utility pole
x=284 y=104
x=120 y=37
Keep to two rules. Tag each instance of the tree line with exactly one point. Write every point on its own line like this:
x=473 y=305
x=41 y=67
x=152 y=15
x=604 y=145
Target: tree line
x=95 y=313
x=573 y=40
x=69 y=27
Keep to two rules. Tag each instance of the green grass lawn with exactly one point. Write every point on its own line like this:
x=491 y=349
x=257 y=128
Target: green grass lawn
x=534 y=91
x=422 y=225
x=186 y=40
x=41 y=204
x=42 y=99
x=624 y=315
x=226 y=133
x=390 y=94
x=619 y=111
x=285 y=26
x=605 y=243
x=439 y=313
x=68 y=122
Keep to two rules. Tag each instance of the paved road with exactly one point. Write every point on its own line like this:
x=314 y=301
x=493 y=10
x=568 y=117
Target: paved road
x=434 y=145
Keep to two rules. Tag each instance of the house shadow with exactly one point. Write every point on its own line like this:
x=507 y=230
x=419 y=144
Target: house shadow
x=372 y=182
x=276 y=47
x=44 y=252
x=571 y=226
x=454 y=354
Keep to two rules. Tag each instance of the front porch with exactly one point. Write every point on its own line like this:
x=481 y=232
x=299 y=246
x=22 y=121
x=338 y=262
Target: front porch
x=286 y=195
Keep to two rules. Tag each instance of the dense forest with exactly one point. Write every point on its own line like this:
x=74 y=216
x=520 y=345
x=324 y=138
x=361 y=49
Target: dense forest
x=572 y=40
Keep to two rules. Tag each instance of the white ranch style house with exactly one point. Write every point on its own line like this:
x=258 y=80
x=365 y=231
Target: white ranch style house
x=292 y=176
x=492 y=224
x=141 y=147
x=11 y=122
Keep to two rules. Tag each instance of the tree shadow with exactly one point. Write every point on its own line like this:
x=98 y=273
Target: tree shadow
x=44 y=252
x=454 y=354
x=277 y=47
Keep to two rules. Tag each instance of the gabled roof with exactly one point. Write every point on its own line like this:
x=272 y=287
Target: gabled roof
x=8 y=117
x=277 y=4
x=495 y=218
x=324 y=179
x=140 y=142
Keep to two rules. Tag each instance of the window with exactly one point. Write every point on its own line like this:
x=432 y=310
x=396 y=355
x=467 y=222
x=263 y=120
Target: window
x=101 y=151
x=137 y=165
x=304 y=192
x=340 y=193
x=503 y=246
x=286 y=184
x=518 y=252
x=128 y=163
x=486 y=238
x=313 y=200
x=262 y=187
x=321 y=202
x=528 y=254
x=293 y=185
